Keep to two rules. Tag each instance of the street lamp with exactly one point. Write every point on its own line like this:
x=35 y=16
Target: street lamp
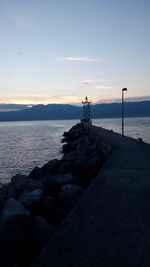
x=124 y=89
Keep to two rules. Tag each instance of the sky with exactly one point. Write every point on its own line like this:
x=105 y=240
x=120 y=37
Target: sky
x=59 y=51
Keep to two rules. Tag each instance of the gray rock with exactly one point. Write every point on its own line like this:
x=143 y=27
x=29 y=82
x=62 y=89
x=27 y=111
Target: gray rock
x=57 y=181
x=83 y=144
x=73 y=156
x=67 y=148
x=75 y=133
x=65 y=167
x=30 y=200
x=22 y=183
x=69 y=194
x=5 y=193
x=92 y=149
x=52 y=166
x=42 y=232
x=13 y=211
x=38 y=174
x=79 y=166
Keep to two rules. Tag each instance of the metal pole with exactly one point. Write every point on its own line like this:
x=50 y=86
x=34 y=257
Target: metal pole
x=124 y=89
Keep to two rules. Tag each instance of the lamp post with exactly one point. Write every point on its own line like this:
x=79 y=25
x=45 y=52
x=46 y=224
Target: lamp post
x=124 y=89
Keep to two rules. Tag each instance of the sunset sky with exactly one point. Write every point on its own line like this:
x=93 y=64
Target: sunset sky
x=59 y=51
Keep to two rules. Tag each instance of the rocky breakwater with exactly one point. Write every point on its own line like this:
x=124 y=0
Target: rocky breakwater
x=32 y=207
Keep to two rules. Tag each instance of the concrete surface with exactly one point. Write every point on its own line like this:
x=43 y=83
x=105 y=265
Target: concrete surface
x=110 y=225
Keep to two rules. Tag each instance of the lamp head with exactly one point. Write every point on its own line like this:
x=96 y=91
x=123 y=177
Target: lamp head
x=124 y=89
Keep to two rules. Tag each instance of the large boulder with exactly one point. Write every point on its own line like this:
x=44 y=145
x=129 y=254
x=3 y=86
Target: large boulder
x=69 y=194
x=83 y=144
x=52 y=166
x=38 y=174
x=30 y=200
x=65 y=167
x=73 y=156
x=13 y=211
x=58 y=180
x=42 y=232
x=79 y=167
x=22 y=183
x=67 y=148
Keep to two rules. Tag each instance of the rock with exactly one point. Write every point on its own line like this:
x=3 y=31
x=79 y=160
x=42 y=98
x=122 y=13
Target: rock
x=75 y=132
x=57 y=181
x=73 y=156
x=67 y=148
x=79 y=167
x=13 y=211
x=65 y=167
x=83 y=144
x=22 y=183
x=65 y=134
x=46 y=207
x=69 y=194
x=38 y=174
x=42 y=232
x=52 y=166
x=30 y=200
x=5 y=193
x=92 y=149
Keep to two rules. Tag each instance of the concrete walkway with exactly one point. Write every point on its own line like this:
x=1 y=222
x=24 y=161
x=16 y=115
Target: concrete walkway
x=110 y=225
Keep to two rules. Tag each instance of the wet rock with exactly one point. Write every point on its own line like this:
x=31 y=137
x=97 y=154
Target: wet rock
x=13 y=211
x=70 y=194
x=30 y=200
x=52 y=166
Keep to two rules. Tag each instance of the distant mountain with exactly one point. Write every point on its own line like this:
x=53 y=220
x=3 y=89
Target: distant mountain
x=63 y=112
x=12 y=106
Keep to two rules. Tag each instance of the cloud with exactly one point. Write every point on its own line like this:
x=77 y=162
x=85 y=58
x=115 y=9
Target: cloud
x=17 y=78
x=81 y=59
x=40 y=99
x=103 y=87
x=22 y=21
x=127 y=99
x=92 y=81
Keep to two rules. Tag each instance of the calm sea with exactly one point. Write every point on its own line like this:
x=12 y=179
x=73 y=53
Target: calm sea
x=24 y=145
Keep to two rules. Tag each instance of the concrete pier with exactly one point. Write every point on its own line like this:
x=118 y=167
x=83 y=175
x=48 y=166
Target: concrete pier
x=110 y=225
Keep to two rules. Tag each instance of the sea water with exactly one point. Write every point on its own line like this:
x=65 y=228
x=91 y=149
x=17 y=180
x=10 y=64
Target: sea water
x=24 y=145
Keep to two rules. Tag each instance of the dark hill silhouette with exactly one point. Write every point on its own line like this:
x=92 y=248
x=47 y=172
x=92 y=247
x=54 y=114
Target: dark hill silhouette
x=62 y=112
